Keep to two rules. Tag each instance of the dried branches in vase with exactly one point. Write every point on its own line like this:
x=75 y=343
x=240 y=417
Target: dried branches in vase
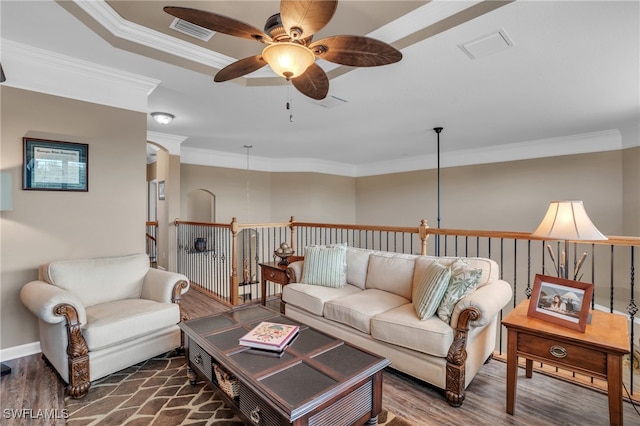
x=561 y=267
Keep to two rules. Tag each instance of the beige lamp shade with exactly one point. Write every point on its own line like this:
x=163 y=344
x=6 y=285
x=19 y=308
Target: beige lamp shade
x=567 y=220
x=289 y=60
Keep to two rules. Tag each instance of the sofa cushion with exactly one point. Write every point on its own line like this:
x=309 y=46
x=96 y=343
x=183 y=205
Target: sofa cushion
x=490 y=270
x=325 y=265
x=429 y=290
x=357 y=265
x=357 y=309
x=401 y=326
x=99 y=280
x=464 y=279
x=393 y=274
x=313 y=297
x=121 y=320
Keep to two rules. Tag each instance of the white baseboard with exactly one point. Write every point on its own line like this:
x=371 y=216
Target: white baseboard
x=19 y=351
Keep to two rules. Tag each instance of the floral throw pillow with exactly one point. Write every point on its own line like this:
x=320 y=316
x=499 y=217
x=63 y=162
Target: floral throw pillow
x=464 y=280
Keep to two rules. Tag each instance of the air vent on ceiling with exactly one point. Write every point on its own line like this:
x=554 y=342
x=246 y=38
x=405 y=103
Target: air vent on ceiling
x=487 y=45
x=331 y=102
x=191 y=29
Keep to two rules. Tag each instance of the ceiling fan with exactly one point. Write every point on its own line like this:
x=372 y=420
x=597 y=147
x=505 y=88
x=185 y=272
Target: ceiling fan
x=290 y=50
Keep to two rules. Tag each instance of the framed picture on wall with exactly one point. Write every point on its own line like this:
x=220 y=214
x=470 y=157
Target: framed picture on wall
x=55 y=166
x=161 y=190
x=561 y=301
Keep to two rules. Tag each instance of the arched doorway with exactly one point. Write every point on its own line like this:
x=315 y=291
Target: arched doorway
x=201 y=206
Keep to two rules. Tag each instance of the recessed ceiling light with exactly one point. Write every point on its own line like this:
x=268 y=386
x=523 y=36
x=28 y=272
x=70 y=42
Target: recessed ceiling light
x=162 y=117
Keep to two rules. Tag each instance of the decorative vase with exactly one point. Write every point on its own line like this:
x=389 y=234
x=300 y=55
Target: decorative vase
x=200 y=244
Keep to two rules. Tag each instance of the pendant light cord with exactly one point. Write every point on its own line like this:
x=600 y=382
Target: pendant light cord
x=247 y=147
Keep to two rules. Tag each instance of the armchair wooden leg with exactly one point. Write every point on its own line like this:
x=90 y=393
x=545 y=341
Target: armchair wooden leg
x=78 y=377
x=77 y=353
x=176 y=298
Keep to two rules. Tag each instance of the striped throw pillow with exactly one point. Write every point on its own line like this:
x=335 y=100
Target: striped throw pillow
x=426 y=296
x=325 y=265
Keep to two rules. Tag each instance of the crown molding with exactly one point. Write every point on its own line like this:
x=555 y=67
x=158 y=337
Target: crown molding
x=169 y=142
x=54 y=74
x=609 y=140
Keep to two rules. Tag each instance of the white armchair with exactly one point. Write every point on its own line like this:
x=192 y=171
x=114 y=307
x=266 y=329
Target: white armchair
x=98 y=316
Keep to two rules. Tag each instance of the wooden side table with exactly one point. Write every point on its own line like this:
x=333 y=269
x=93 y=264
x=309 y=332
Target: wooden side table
x=271 y=271
x=597 y=352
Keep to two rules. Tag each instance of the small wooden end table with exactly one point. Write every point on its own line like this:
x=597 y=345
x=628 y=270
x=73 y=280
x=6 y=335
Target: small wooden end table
x=597 y=352
x=271 y=271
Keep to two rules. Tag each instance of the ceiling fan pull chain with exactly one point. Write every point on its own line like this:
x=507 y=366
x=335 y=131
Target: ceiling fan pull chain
x=289 y=104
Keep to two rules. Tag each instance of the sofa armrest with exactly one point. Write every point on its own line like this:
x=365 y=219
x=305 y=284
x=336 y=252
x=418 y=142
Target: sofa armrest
x=294 y=271
x=164 y=286
x=42 y=298
x=488 y=299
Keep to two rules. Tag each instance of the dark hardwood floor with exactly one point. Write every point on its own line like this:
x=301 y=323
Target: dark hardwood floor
x=541 y=400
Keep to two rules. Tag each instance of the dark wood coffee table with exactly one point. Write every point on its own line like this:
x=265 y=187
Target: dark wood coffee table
x=319 y=380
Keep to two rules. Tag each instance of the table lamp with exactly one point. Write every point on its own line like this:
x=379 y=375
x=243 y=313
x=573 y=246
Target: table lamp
x=568 y=221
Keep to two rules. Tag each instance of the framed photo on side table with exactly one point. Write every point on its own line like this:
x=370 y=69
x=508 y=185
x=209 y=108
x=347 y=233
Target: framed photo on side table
x=55 y=166
x=561 y=301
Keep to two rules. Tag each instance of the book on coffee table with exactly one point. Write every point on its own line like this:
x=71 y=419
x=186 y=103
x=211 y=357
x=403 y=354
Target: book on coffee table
x=270 y=336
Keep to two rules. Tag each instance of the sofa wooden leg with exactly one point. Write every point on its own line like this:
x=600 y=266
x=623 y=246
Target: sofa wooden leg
x=457 y=358
x=454 y=391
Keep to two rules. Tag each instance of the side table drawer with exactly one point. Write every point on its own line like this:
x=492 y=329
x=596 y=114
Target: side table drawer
x=275 y=275
x=556 y=351
x=201 y=361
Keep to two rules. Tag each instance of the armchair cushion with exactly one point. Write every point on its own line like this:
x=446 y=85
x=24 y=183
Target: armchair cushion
x=99 y=280
x=115 y=322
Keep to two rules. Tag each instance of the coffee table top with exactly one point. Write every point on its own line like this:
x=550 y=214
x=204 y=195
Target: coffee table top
x=313 y=369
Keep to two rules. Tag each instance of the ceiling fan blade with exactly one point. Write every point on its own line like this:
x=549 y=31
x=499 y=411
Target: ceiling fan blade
x=218 y=23
x=355 y=51
x=302 y=19
x=313 y=83
x=240 y=68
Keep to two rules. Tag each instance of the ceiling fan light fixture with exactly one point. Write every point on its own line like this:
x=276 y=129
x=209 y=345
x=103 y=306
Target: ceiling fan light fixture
x=163 y=117
x=288 y=60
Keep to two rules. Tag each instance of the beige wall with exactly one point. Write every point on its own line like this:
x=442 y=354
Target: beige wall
x=509 y=196
x=230 y=189
x=631 y=191
x=313 y=197
x=47 y=225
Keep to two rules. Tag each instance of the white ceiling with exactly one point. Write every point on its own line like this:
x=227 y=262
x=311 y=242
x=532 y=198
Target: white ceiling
x=570 y=78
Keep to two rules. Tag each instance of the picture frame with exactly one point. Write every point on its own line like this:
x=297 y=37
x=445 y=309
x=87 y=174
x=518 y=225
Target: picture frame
x=161 y=194
x=561 y=301
x=55 y=166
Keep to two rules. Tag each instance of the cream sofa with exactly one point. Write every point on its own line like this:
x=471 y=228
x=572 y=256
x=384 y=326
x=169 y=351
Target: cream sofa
x=98 y=316
x=374 y=310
